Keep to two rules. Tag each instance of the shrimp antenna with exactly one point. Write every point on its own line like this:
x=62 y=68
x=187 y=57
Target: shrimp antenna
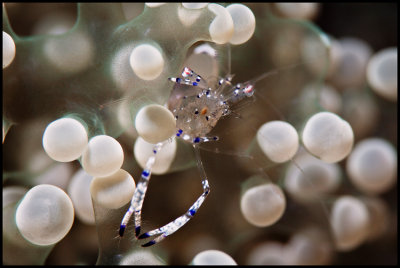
x=280 y=69
x=262 y=76
x=229 y=59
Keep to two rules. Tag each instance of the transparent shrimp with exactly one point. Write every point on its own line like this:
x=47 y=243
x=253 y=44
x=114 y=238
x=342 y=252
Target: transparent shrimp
x=196 y=111
x=197 y=108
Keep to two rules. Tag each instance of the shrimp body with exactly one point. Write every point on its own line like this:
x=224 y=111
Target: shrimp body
x=198 y=108
x=198 y=114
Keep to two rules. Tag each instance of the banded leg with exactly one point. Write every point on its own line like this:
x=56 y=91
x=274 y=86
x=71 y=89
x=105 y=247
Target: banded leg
x=190 y=78
x=139 y=194
x=174 y=225
x=204 y=139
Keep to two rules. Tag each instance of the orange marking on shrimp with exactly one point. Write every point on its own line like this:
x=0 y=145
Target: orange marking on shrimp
x=203 y=111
